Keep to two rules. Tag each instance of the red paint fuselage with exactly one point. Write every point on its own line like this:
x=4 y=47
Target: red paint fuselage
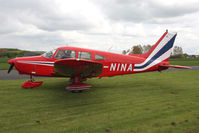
x=113 y=64
x=79 y=62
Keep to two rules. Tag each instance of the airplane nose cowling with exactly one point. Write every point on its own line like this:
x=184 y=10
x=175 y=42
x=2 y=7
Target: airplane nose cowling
x=11 y=61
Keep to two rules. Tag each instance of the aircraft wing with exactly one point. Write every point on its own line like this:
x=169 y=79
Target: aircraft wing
x=76 y=67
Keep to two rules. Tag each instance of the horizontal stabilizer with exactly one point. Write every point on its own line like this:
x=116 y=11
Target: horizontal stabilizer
x=176 y=66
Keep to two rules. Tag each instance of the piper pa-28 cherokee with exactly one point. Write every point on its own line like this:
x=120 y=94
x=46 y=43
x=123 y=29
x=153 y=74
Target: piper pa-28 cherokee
x=79 y=64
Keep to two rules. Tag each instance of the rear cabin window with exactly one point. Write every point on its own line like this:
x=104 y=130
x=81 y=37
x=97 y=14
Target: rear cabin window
x=84 y=55
x=99 y=57
x=65 y=54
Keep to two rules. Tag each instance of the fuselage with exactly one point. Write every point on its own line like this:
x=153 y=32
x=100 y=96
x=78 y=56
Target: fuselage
x=113 y=63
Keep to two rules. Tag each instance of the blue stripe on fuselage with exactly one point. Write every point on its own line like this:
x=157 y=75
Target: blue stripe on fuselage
x=161 y=52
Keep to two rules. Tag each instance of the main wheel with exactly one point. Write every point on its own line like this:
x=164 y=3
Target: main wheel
x=76 y=91
x=28 y=88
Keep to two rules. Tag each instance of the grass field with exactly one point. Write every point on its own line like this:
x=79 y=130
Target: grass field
x=4 y=66
x=3 y=63
x=184 y=62
x=4 y=60
x=155 y=102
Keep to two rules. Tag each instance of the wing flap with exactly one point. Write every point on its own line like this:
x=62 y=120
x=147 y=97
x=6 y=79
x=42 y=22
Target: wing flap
x=74 y=67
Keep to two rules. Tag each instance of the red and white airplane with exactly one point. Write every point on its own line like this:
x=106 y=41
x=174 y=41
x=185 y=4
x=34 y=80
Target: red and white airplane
x=79 y=64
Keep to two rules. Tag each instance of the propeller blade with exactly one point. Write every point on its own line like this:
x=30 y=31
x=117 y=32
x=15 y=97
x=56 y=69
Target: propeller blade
x=11 y=66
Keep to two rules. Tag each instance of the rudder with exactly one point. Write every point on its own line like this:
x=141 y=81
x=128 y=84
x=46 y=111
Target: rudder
x=161 y=51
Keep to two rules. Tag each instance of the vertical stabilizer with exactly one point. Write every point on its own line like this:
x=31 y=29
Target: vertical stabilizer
x=159 y=52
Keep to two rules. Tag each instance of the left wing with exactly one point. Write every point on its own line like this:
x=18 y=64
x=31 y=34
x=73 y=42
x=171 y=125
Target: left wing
x=76 y=67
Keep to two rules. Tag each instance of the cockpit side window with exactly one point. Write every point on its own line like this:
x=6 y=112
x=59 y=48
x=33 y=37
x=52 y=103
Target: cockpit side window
x=84 y=55
x=49 y=54
x=99 y=57
x=65 y=54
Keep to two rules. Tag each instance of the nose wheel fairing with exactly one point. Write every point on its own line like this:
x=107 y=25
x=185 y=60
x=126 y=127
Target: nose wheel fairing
x=31 y=83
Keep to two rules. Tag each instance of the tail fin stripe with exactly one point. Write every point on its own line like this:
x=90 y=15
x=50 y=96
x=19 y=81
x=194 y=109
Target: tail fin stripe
x=162 y=57
x=163 y=50
x=159 y=46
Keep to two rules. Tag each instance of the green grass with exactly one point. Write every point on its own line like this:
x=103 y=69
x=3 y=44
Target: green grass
x=12 y=52
x=155 y=102
x=4 y=60
x=4 y=66
x=184 y=62
x=4 y=63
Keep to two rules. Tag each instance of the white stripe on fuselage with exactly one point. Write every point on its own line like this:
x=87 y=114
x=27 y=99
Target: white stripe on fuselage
x=106 y=66
x=38 y=63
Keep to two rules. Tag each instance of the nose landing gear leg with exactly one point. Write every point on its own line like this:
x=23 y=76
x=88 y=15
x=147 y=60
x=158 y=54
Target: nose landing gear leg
x=31 y=83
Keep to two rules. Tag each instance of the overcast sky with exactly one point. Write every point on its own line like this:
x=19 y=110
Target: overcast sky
x=110 y=25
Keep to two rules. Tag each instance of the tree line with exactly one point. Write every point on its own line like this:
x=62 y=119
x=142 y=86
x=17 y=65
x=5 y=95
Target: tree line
x=12 y=53
x=141 y=49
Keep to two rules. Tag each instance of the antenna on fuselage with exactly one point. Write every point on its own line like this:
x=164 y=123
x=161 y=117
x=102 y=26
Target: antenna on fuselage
x=110 y=48
x=129 y=51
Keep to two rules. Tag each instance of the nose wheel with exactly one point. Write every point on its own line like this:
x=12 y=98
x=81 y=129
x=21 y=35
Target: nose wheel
x=31 y=83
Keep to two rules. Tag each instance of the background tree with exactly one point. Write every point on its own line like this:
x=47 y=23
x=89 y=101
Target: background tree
x=137 y=49
x=124 y=52
x=177 y=52
x=146 y=48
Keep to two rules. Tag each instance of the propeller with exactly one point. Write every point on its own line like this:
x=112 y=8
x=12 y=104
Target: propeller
x=11 y=67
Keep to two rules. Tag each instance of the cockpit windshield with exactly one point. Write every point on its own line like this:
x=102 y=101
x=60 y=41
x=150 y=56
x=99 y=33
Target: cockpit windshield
x=49 y=54
x=65 y=54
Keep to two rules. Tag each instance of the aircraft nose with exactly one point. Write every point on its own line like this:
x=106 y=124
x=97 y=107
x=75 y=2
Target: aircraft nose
x=12 y=64
x=11 y=61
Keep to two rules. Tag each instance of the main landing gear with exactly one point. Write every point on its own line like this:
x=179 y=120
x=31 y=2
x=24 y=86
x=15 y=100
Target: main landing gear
x=31 y=83
x=77 y=85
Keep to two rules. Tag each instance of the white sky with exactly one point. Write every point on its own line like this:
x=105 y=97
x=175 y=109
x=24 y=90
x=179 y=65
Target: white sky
x=97 y=24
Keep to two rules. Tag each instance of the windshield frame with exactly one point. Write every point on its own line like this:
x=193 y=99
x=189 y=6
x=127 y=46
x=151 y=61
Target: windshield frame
x=49 y=54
